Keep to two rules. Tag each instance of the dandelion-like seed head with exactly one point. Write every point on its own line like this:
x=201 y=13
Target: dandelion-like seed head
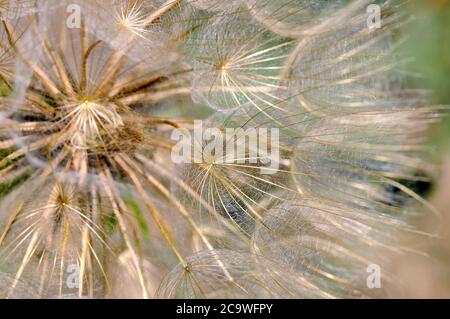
x=91 y=123
x=132 y=19
x=86 y=172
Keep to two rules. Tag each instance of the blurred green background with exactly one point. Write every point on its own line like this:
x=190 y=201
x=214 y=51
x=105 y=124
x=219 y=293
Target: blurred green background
x=429 y=44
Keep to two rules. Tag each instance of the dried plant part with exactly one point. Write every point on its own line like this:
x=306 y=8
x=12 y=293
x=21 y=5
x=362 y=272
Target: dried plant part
x=230 y=274
x=324 y=242
x=88 y=182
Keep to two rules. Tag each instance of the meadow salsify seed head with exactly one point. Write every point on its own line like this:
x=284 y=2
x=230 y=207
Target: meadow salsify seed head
x=98 y=99
x=232 y=274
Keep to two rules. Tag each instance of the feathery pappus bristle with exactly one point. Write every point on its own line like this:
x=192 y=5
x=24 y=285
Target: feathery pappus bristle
x=116 y=121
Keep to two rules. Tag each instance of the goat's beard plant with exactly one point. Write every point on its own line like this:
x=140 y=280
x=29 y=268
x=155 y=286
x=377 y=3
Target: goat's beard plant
x=93 y=206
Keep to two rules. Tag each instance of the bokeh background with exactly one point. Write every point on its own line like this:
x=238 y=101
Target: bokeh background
x=428 y=43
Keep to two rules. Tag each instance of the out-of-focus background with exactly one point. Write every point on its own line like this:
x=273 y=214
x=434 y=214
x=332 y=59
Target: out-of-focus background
x=428 y=44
